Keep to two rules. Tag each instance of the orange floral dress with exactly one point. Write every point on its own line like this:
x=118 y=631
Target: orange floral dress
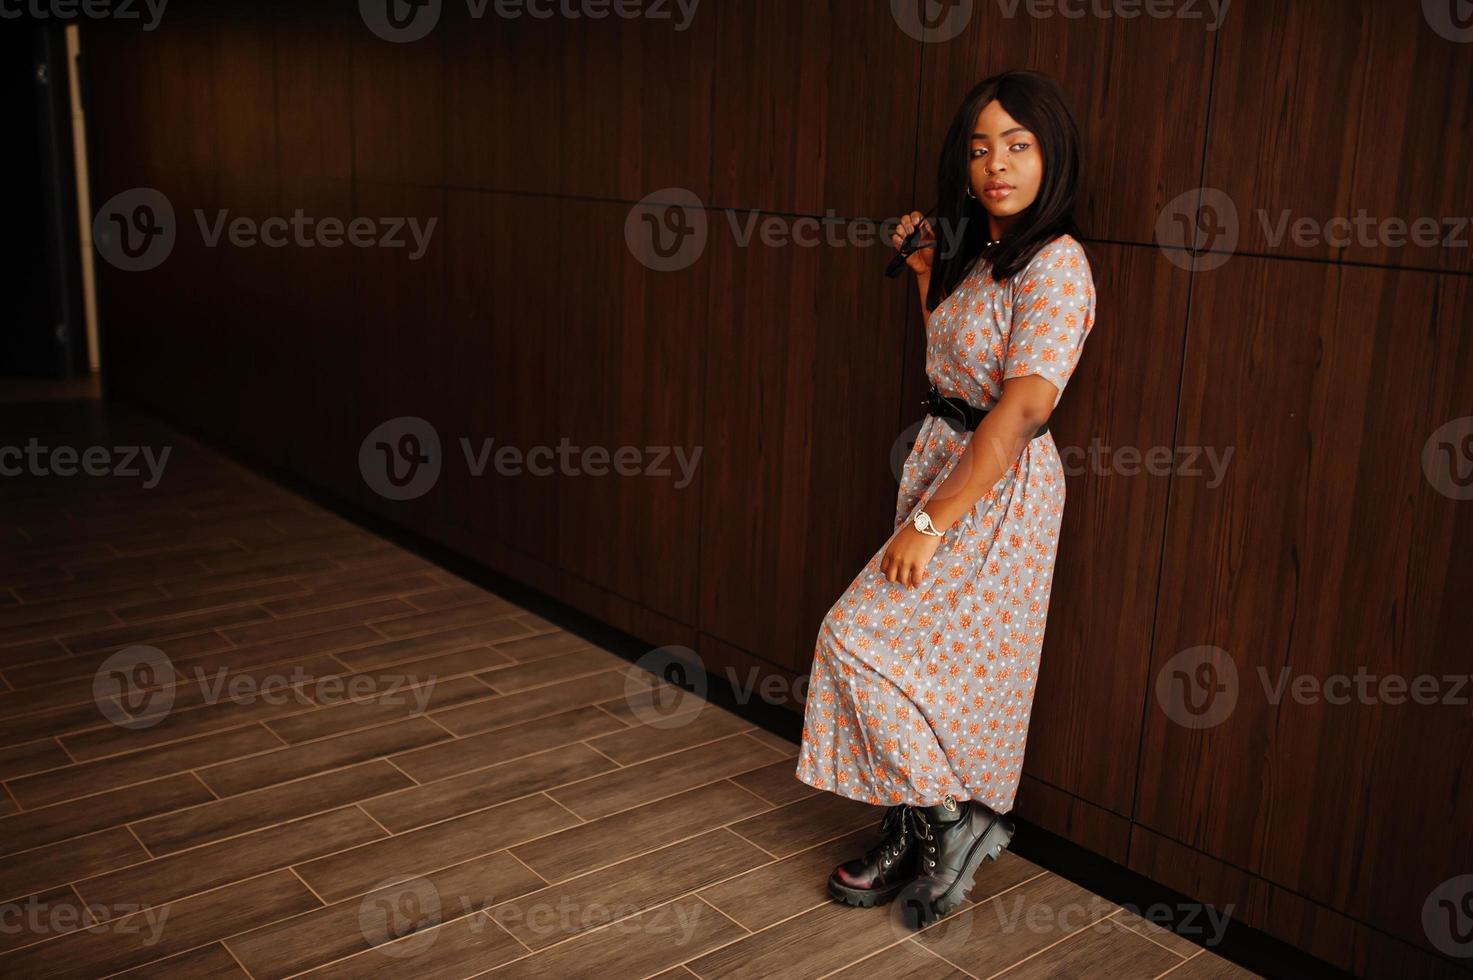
x=920 y=693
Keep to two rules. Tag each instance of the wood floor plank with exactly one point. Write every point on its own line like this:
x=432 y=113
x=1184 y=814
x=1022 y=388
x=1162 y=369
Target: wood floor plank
x=481 y=788
x=555 y=913
x=906 y=961
x=1205 y=966
x=665 y=776
x=492 y=611
x=53 y=865
x=993 y=935
x=639 y=947
x=1104 y=941
x=491 y=748
x=179 y=875
x=153 y=934
x=780 y=889
x=381 y=652
x=41 y=916
x=362 y=588
x=462 y=948
x=83 y=778
x=647 y=741
x=313 y=622
x=251 y=811
x=48 y=825
x=543 y=644
x=813 y=820
x=395 y=703
x=816 y=942
x=308 y=758
x=776 y=782
x=157 y=632
x=212 y=962
x=439 y=666
x=20 y=758
x=521 y=676
x=431 y=848
x=602 y=842
x=357 y=924
x=84 y=665
x=511 y=709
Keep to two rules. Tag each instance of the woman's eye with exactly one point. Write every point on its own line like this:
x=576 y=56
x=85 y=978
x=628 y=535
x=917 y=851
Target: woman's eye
x=1020 y=147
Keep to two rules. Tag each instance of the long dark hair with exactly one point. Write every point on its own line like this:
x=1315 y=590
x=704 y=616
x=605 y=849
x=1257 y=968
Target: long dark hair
x=1036 y=101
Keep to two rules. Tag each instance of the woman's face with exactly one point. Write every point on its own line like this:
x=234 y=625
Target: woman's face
x=1006 y=168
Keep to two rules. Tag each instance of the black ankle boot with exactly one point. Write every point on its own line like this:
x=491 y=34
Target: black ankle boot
x=952 y=841
x=885 y=868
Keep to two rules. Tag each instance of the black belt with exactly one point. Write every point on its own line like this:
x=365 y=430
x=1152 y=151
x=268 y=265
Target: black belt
x=949 y=408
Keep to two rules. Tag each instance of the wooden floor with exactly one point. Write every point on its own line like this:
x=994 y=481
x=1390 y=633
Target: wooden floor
x=240 y=736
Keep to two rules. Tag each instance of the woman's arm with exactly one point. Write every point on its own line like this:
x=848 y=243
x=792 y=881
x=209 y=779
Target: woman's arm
x=923 y=283
x=996 y=444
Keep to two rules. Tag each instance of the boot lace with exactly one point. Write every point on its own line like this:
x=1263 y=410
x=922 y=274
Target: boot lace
x=898 y=828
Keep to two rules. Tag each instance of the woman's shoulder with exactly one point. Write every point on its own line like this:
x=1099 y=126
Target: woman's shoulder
x=1063 y=253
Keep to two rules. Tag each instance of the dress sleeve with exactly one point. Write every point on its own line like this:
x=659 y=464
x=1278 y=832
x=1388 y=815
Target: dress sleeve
x=1053 y=311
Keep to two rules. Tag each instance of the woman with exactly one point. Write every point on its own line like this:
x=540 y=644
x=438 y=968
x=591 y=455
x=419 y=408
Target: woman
x=924 y=669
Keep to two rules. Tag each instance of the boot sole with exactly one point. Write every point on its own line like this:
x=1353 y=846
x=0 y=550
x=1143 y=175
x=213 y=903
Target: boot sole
x=864 y=897
x=987 y=847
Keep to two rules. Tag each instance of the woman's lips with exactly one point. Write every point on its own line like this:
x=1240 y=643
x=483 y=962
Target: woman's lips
x=997 y=193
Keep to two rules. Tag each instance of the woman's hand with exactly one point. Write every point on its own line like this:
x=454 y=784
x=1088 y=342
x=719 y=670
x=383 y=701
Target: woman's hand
x=906 y=558
x=920 y=260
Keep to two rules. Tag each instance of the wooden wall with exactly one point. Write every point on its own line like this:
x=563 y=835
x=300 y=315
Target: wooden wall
x=1323 y=370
